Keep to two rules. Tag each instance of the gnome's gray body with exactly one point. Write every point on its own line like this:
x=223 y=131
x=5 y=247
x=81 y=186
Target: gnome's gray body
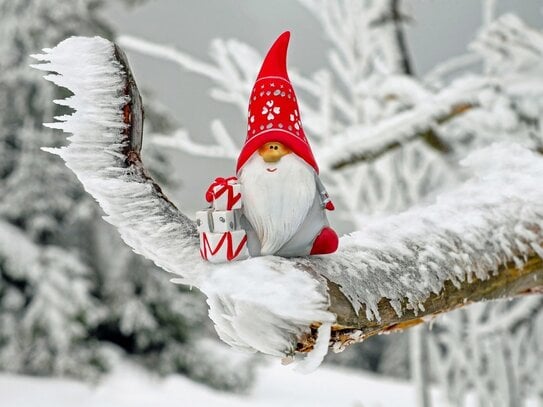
x=302 y=242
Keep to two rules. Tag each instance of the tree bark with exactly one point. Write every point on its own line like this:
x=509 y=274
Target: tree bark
x=353 y=326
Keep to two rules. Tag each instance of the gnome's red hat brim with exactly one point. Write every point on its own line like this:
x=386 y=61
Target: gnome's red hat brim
x=273 y=109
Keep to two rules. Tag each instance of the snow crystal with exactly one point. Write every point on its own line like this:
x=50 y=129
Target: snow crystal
x=146 y=221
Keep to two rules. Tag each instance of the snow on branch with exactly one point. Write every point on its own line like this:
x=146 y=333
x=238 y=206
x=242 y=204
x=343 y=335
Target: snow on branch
x=509 y=43
x=180 y=140
x=480 y=242
x=467 y=235
x=436 y=76
x=233 y=71
x=366 y=143
x=362 y=34
x=170 y=54
x=514 y=54
x=104 y=150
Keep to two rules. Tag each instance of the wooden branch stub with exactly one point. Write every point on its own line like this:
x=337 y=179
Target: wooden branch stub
x=133 y=117
x=510 y=281
x=133 y=110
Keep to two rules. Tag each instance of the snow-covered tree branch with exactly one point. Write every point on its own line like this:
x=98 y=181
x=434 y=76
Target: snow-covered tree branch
x=509 y=281
x=368 y=143
x=482 y=241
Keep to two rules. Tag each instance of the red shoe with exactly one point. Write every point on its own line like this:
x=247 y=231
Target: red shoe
x=326 y=242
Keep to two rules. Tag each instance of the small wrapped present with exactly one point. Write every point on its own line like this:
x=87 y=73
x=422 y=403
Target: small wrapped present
x=224 y=194
x=223 y=247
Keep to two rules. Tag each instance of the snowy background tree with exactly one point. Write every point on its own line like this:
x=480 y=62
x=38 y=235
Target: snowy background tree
x=387 y=138
x=72 y=293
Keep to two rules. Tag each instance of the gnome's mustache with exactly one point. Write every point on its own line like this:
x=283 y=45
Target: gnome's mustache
x=276 y=204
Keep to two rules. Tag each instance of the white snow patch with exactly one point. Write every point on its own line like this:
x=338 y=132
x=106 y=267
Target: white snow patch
x=130 y=386
x=261 y=304
x=314 y=359
x=16 y=249
x=147 y=222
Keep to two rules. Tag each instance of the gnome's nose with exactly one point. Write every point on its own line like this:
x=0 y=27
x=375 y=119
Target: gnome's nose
x=273 y=151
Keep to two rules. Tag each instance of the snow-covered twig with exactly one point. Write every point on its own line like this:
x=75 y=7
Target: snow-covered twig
x=488 y=11
x=232 y=72
x=170 y=54
x=509 y=319
x=180 y=140
x=440 y=71
x=390 y=18
x=509 y=43
x=234 y=69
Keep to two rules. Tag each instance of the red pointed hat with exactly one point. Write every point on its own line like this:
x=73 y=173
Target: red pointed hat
x=273 y=109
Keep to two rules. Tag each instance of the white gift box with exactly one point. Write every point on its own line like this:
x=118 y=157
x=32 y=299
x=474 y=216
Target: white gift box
x=223 y=221
x=204 y=221
x=223 y=247
x=227 y=197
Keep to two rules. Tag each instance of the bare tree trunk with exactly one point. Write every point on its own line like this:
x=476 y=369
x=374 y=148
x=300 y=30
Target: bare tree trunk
x=419 y=365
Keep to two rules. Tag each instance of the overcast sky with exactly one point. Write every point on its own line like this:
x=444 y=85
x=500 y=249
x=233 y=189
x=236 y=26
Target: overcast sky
x=440 y=29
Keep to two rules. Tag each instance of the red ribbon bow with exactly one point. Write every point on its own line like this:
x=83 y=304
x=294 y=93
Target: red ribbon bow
x=224 y=182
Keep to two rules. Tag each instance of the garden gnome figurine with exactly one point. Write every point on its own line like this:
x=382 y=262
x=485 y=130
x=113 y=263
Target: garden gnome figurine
x=284 y=201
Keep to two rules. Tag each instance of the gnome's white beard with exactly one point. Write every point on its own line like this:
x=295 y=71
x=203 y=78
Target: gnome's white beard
x=276 y=203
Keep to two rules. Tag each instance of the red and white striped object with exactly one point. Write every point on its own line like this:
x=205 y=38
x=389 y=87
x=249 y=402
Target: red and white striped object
x=223 y=247
x=225 y=194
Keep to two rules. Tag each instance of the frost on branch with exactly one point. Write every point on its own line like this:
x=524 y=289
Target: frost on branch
x=102 y=155
x=494 y=219
x=367 y=143
x=470 y=245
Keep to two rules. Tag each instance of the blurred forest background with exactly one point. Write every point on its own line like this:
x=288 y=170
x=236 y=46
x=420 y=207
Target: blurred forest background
x=393 y=95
